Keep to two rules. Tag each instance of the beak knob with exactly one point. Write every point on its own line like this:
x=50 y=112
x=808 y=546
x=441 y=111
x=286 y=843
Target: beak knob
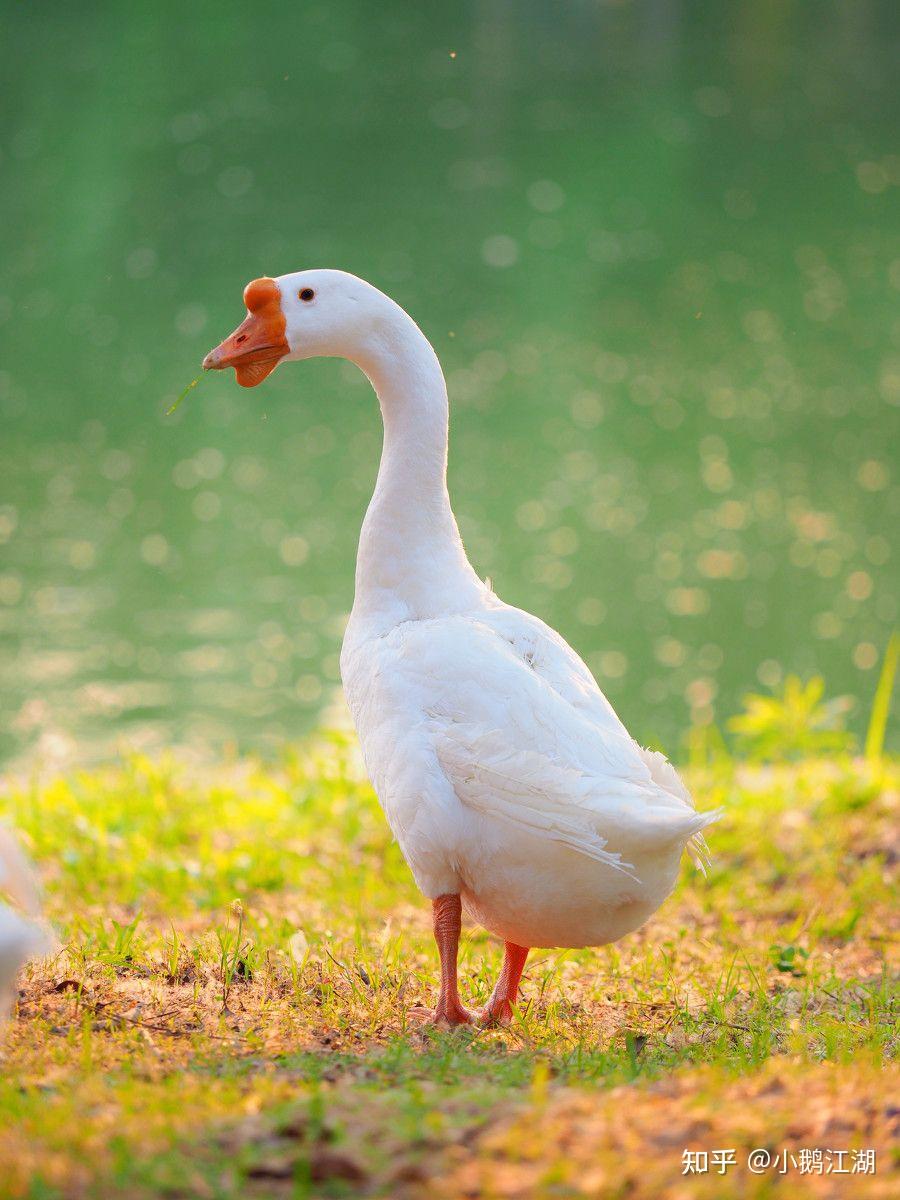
x=260 y=292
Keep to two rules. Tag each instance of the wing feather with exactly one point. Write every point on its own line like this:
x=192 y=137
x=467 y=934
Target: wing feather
x=604 y=819
x=522 y=733
x=523 y=788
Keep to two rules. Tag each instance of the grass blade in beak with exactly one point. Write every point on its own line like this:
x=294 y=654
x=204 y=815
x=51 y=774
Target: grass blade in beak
x=192 y=384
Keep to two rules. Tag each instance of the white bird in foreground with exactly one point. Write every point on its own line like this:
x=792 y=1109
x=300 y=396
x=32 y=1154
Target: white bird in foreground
x=513 y=788
x=20 y=937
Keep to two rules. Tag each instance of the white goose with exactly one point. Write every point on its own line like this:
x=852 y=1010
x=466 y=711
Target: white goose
x=511 y=785
x=20 y=938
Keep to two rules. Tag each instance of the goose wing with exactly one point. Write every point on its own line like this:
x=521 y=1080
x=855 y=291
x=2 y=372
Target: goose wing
x=522 y=739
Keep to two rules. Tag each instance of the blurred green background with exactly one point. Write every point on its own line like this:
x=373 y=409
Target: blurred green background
x=655 y=246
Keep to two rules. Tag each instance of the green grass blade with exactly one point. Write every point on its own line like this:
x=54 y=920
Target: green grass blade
x=191 y=385
x=881 y=704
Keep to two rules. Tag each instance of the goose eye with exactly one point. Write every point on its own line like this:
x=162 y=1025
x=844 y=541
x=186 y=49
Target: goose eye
x=306 y=294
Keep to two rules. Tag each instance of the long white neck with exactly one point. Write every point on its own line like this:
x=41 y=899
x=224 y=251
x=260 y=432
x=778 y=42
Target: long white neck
x=411 y=563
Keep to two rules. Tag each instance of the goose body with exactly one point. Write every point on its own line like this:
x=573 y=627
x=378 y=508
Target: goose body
x=508 y=780
x=20 y=936
x=507 y=777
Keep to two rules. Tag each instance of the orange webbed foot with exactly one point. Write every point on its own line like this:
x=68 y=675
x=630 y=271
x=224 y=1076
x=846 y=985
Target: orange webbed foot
x=450 y=1013
x=495 y=1015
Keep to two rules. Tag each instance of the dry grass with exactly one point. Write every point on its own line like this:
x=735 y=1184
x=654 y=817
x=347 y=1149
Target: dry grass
x=181 y=1044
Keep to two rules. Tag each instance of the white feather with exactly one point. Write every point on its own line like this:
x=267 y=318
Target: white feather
x=21 y=937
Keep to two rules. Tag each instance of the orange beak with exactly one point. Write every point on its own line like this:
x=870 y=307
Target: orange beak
x=259 y=343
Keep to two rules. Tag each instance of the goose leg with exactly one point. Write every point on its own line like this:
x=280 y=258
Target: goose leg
x=447 y=911
x=498 y=1010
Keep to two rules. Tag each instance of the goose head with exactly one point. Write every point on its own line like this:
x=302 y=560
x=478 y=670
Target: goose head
x=307 y=314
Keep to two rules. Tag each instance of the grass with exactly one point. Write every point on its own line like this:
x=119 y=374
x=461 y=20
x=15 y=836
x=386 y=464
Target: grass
x=177 y=402
x=229 y=1014
x=881 y=703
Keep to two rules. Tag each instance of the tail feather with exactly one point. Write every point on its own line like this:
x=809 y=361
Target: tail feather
x=696 y=844
x=665 y=776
